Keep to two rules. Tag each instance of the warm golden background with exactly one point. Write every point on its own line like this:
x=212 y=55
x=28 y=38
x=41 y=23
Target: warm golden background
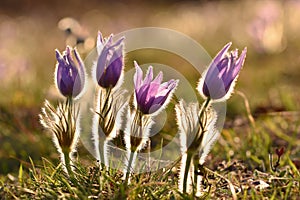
x=31 y=30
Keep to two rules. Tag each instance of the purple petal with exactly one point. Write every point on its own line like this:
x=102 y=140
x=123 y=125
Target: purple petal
x=151 y=94
x=221 y=53
x=222 y=68
x=219 y=79
x=240 y=62
x=214 y=88
x=166 y=87
x=69 y=76
x=138 y=76
x=118 y=42
x=172 y=84
x=142 y=95
x=110 y=61
x=160 y=100
x=218 y=62
x=149 y=76
x=81 y=66
x=152 y=91
x=153 y=108
x=235 y=53
x=101 y=63
x=59 y=57
x=113 y=71
x=100 y=39
x=158 y=78
x=100 y=42
x=69 y=58
x=109 y=41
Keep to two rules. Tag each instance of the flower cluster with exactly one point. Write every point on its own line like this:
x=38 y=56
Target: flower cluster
x=196 y=123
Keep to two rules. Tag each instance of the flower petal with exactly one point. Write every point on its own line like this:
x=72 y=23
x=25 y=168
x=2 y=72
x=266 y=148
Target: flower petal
x=221 y=54
x=138 y=76
x=69 y=75
x=149 y=76
x=81 y=66
x=151 y=94
x=240 y=62
x=100 y=43
x=158 y=78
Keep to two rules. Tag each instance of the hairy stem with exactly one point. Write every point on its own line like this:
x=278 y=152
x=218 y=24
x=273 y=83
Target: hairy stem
x=102 y=153
x=186 y=170
x=195 y=163
x=68 y=162
x=129 y=166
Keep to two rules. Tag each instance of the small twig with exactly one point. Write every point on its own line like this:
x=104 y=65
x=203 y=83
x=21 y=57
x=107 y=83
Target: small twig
x=247 y=106
x=234 y=196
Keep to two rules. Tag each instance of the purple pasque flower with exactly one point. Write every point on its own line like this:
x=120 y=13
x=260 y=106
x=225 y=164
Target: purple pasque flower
x=151 y=95
x=69 y=75
x=218 y=80
x=110 y=63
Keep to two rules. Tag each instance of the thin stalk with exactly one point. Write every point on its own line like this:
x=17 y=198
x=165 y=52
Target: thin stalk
x=186 y=170
x=195 y=163
x=102 y=152
x=190 y=154
x=202 y=111
x=129 y=166
x=103 y=109
x=105 y=153
x=107 y=96
x=66 y=151
x=68 y=162
x=69 y=102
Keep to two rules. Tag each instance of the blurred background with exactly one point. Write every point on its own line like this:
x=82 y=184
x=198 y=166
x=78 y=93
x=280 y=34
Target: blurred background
x=30 y=30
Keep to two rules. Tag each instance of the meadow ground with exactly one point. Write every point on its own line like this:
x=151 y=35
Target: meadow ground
x=262 y=116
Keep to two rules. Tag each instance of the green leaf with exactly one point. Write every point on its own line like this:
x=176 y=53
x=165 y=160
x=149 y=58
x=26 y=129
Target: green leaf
x=20 y=176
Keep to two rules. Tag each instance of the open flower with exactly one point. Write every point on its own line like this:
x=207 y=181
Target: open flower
x=108 y=69
x=69 y=75
x=218 y=80
x=151 y=95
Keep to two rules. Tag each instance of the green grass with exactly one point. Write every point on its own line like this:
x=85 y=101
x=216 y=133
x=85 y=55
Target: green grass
x=239 y=165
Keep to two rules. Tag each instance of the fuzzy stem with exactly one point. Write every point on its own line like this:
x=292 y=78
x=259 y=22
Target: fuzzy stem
x=186 y=170
x=102 y=117
x=66 y=152
x=68 y=162
x=105 y=153
x=102 y=153
x=129 y=166
x=203 y=109
x=69 y=101
x=197 y=177
x=195 y=163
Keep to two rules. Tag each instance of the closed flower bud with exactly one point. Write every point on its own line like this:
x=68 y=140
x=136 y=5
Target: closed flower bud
x=69 y=73
x=109 y=67
x=218 y=80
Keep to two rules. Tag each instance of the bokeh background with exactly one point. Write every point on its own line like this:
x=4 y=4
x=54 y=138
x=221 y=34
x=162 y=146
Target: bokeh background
x=30 y=30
